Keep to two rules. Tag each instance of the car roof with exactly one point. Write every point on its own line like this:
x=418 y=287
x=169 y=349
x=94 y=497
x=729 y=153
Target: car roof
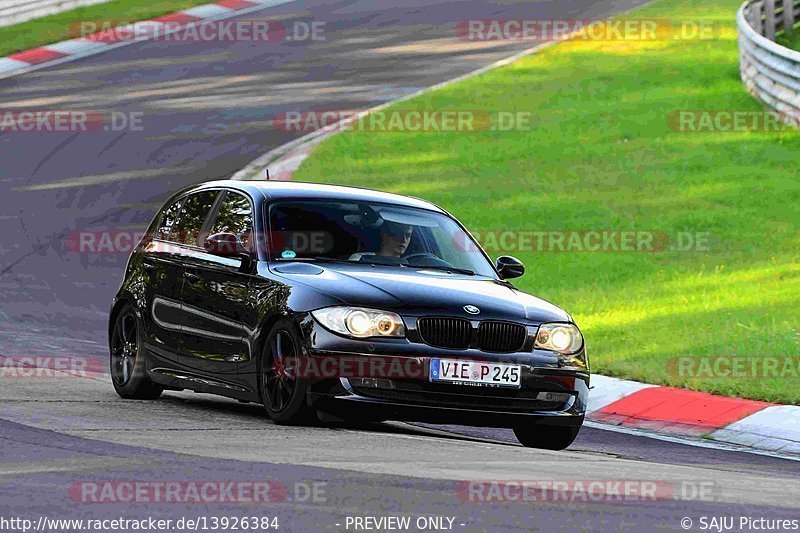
x=275 y=190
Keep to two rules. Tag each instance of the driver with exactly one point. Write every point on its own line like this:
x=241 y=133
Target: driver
x=395 y=238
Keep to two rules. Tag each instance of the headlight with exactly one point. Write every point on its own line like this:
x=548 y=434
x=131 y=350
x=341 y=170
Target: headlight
x=565 y=339
x=360 y=322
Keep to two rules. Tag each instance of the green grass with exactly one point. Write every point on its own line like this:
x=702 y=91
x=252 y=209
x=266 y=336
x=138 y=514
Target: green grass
x=67 y=25
x=602 y=156
x=789 y=39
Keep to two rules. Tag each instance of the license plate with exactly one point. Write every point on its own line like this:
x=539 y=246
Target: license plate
x=475 y=373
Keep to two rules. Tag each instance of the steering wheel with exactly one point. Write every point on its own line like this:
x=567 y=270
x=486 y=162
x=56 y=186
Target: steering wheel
x=426 y=259
x=421 y=254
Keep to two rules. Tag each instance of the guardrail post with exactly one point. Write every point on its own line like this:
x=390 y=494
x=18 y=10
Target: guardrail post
x=769 y=19
x=755 y=17
x=788 y=14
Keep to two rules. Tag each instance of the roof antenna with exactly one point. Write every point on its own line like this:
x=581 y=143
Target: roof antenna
x=266 y=174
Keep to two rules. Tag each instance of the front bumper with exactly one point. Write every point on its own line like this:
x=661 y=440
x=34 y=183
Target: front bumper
x=550 y=393
x=455 y=404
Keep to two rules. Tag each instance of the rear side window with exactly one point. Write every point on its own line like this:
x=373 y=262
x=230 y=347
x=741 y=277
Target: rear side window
x=190 y=221
x=168 y=218
x=235 y=215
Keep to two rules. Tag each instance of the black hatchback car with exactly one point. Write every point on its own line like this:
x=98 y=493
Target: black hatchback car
x=342 y=303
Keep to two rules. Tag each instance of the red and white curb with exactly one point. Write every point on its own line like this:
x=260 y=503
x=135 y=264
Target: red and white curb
x=286 y=165
x=679 y=412
x=58 y=53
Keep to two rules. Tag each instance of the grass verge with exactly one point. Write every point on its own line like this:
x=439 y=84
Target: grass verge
x=602 y=155
x=789 y=39
x=66 y=25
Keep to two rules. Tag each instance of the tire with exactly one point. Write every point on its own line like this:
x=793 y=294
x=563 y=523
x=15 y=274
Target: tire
x=546 y=437
x=283 y=395
x=127 y=360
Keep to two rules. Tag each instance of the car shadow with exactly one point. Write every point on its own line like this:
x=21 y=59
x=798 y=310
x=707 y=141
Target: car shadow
x=217 y=405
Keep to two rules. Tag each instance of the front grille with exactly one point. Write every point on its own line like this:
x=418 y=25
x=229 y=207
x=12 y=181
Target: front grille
x=463 y=401
x=501 y=336
x=457 y=334
x=453 y=333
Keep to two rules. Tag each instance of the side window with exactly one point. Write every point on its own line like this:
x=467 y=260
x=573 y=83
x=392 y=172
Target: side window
x=235 y=216
x=195 y=210
x=168 y=219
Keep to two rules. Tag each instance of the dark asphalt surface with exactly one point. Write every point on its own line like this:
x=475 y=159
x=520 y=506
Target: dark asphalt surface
x=44 y=473
x=51 y=493
x=206 y=112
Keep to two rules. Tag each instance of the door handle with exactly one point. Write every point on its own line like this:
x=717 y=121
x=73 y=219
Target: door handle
x=148 y=267
x=191 y=277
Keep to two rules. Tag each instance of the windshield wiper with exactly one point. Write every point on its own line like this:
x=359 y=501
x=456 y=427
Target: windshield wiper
x=464 y=271
x=334 y=260
x=313 y=260
x=328 y=260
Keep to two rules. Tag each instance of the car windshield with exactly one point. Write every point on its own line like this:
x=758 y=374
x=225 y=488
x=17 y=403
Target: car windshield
x=373 y=233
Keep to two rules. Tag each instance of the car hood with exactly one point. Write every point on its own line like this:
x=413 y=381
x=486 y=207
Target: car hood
x=418 y=291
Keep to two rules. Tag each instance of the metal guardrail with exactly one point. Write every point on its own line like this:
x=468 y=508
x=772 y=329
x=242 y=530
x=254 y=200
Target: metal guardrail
x=770 y=72
x=15 y=11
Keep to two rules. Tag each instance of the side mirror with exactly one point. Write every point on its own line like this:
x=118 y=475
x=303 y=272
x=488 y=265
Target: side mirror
x=509 y=267
x=224 y=245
